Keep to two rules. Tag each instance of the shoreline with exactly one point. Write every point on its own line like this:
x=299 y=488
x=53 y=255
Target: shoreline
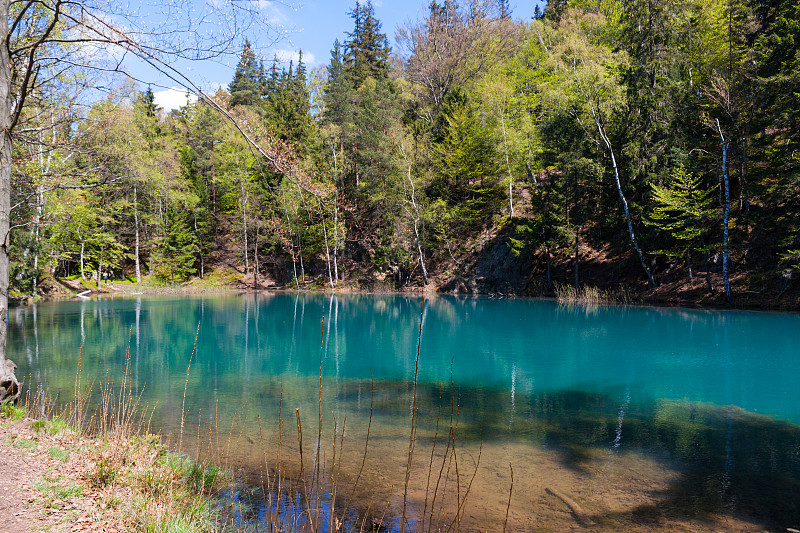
x=660 y=297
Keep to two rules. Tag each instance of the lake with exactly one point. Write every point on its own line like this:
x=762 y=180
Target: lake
x=631 y=418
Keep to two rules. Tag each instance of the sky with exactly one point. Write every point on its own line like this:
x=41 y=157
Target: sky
x=311 y=26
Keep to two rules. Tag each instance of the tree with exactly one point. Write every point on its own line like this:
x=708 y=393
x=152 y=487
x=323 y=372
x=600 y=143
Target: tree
x=178 y=248
x=685 y=211
x=245 y=88
x=450 y=48
x=367 y=49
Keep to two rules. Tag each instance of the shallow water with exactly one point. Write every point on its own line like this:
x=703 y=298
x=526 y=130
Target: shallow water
x=647 y=418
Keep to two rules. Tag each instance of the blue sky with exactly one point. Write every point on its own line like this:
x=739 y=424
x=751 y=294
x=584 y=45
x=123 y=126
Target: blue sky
x=310 y=26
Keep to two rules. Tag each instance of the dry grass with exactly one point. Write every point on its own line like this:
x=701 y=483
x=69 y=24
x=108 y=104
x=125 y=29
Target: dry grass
x=592 y=296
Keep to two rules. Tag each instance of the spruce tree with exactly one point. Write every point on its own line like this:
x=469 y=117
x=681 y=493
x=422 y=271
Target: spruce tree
x=367 y=49
x=147 y=100
x=245 y=87
x=503 y=9
x=684 y=210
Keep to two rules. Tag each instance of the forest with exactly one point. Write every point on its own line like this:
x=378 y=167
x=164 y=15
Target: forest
x=653 y=146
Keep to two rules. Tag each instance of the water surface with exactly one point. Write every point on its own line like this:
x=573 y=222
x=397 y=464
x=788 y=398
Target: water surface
x=646 y=416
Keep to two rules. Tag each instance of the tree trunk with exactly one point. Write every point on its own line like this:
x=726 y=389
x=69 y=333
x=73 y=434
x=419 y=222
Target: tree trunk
x=508 y=165
x=601 y=130
x=136 y=224
x=416 y=225
x=577 y=260
x=245 y=197
x=10 y=388
x=83 y=248
x=255 y=261
x=708 y=265
x=202 y=264
x=632 y=236
x=327 y=251
x=335 y=214
x=335 y=240
x=549 y=271
x=302 y=266
x=726 y=213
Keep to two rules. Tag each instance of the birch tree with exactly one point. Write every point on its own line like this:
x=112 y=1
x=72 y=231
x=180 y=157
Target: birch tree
x=585 y=85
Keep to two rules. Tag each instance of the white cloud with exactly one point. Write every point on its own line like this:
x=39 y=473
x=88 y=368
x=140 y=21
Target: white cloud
x=290 y=55
x=173 y=98
x=271 y=11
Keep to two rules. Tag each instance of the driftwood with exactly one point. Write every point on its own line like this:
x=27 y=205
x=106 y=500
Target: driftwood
x=10 y=388
x=576 y=509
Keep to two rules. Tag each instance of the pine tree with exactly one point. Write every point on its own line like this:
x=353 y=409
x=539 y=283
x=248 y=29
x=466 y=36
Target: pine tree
x=245 y=87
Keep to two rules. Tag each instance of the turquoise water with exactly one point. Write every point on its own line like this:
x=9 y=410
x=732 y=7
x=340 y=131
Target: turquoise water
x=707 y=399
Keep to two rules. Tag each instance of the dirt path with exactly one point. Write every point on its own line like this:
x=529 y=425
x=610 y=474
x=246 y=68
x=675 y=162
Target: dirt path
x=43 y=481
x=19 y=471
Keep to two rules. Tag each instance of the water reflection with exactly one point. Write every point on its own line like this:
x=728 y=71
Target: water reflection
x=630 y=411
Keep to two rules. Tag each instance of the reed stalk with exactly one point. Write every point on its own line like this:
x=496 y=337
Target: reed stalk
x=186 y=386
x=412 y=437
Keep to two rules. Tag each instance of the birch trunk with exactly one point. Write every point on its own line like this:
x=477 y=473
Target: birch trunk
x=508 y=165
x=650 y=279
x=335 y=215
x=245 y=194
x=83 y=248
x=577 y=260
x=726 y=213
x=255 y=261
x=416 y=218
x=302 y=266
x=327 y=252
x=335 y=239
x=202 y=264
x=136 y=245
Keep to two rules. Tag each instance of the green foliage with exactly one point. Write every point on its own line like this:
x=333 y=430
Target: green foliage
x=13 y=411
x=685 y=211
x=177 y=248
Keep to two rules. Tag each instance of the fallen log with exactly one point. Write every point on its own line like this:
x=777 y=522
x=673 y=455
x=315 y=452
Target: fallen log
x=581 y=515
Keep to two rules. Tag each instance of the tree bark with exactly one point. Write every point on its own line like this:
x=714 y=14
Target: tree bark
x=256 y=279
x=136 y=224
x=10 y=388
x=726 y=213
x=83 y=249
x=508 y=165
x=245 y=197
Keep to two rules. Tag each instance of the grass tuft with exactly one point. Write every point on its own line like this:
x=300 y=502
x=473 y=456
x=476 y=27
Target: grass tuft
x=13 y=411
